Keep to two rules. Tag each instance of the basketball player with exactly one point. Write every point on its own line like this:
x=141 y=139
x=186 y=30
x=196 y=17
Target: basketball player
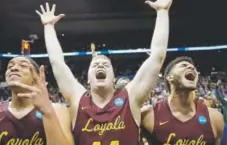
x=103 y=116
x=180 y=119
x=30 y=118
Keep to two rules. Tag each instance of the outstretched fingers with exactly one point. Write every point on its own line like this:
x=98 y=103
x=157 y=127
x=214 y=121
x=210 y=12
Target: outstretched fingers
x=25 y=87
x=42 y=9
x=53 y=8
x=38 y=12
x=47 y=7
x=42 y=75
x=27 y=95
x=150 y=3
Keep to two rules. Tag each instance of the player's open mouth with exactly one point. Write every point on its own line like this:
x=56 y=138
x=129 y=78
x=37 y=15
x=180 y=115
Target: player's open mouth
x=100 y=74
x=190 y=75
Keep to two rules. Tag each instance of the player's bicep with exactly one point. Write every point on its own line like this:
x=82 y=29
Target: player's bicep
x=67 y=83
x=147 y=118
x=145 y=79
x=217 y=123
x=65 y=121
x=218 y=141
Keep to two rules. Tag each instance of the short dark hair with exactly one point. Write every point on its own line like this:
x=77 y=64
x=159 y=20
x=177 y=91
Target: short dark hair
x=119 y=86
x=34 y=64
x=100 y=56
x=172 y=64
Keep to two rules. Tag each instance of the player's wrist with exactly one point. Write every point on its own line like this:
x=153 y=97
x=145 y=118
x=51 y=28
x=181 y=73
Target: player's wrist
x=49 y=25
x=166 y=11
x=48 y=110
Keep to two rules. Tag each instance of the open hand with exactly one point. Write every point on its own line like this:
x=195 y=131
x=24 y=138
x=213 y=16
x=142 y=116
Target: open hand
x=47 y=16
x=159 y=4
x=37 y=93
x=93 y=50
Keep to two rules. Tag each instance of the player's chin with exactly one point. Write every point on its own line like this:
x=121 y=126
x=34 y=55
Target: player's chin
x=13 y=80
x=190 y=87
x=101 y=83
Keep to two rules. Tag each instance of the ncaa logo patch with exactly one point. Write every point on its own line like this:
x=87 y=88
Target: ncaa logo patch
x=118 y=102
x=38 y=115
x=202 y=119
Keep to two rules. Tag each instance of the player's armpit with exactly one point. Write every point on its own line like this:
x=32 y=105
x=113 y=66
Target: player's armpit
x=147 y=118
x=217 y=123
x=69 y=86
x=63 y=115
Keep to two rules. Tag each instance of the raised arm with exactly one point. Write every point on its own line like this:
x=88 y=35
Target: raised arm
x=146 y=77
x=71 y=89
x=94 y=54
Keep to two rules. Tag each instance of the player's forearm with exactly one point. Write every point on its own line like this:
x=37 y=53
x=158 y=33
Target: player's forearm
x=53 y=46
x=160 y=37
x=54 y=133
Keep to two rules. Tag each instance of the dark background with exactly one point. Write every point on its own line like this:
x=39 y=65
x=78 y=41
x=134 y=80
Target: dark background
x=119 y=24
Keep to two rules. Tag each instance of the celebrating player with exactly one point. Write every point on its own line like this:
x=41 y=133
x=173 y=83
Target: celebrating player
x=31 y=118
x=180 y=119
x=103 y=116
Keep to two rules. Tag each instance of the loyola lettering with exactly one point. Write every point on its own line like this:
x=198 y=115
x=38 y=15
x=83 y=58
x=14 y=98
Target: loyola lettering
x=102 y=128
x=34 y=140
x=198 y=141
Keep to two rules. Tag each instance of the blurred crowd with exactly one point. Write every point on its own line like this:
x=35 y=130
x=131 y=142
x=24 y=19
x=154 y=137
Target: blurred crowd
x=205 y=90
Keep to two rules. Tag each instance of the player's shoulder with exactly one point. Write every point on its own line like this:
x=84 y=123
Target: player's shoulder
x=146 y=109
x=4 y=105
x=214 y=113
x=121 y=91
x=59 y=106
x=217 y=120
x=160 y=104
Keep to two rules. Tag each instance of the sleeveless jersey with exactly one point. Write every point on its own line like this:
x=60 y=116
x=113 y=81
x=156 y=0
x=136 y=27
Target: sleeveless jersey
x=111 y=125
x=168 y=130
x=28 y=130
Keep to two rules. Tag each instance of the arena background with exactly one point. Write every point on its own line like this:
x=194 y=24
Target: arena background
x=118 y=24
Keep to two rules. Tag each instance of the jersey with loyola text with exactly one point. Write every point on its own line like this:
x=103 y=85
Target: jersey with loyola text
x=28 y=130
x=111 y=125
x=168 y=130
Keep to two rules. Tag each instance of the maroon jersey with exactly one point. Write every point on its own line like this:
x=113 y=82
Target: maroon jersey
x=168 y=130
x=111 y=125
x=28 y=130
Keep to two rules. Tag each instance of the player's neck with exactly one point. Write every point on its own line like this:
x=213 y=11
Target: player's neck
x=20 y=103
x=182 y=101
x=102 y=96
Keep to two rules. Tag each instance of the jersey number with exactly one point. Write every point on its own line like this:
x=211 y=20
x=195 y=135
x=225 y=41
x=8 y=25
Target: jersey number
x=116 y=142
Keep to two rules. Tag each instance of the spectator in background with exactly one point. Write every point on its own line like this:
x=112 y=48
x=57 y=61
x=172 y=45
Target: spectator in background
x=223 y=101
x=122 y=82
